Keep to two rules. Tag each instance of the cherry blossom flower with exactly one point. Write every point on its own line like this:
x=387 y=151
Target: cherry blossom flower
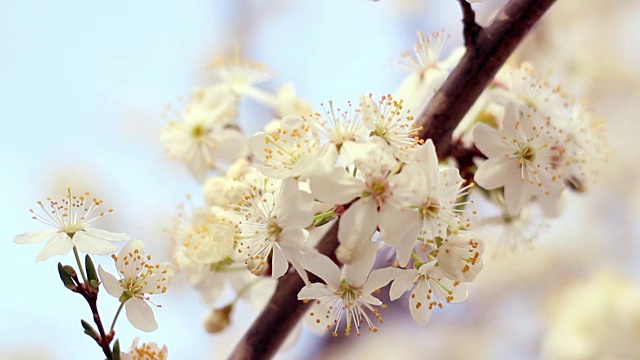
x=430 y=200
x=138 y=280
x=239 y=76
x=427 y=70
x=293 y=150
x=71 y=219
x=430 y=289
x=387 y=120
x=207 y=236
x=273 y=227
x=145 y=351
x=370 y=190
x=338 y=126
x=204 y=137
x=460 y=256
x=346 y=292
x=520 y=158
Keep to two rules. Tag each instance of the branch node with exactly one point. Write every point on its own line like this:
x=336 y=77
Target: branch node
x=471 y=29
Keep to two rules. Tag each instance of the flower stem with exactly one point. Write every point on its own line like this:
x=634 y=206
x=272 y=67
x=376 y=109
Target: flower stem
x=115 y=318
x=84 y=276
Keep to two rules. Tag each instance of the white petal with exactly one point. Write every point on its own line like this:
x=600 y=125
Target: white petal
x=110 y=283
x=337 y=187
x=492 y=173
x=58 y=244
x=279 y=263
x=107 y=235
x=358 y=223
x=89 y=244
x=314 y=291
x=34 y=236
x=403 y=282
x=419 y=304
x=516 y=193
x=400 y=227
x=489 y=141
x=140 y=315
x=323 y=267
x=381 y=277
x=293 y=207
x=356 y=273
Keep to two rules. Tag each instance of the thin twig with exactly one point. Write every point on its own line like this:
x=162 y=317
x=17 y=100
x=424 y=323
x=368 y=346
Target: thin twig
x=470 y=29
x=477 y=68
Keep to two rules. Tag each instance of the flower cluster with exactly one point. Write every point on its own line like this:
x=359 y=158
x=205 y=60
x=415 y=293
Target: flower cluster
x=537 y=141
x=362 y=165
x=71 y=218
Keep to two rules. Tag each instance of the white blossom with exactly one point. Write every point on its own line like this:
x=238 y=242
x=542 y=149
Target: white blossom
x=145 y=351
x=272 y=228
x=346 y=292
x=430 y=289
x=520 y=159
x=138 y=280
x=427 y=70
x=71 y=219
x=430 y=199
x=369 y=193
x=292 y=151
x=460 y=256
x=387 y=120
x=204 y=137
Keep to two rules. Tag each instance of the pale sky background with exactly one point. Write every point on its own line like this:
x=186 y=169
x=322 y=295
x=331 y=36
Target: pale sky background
x=83 y=88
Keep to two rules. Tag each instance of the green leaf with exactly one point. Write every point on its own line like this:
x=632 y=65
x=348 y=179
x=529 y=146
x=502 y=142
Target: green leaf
x=92 y=275
x=115 y=354
x=67 y=277
x=89 y=330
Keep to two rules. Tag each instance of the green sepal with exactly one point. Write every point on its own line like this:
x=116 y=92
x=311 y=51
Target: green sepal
x=67 y=273
x=115 y=354
x=323 y=220
x=89 y=330
x=92 y=275
x=126 y=295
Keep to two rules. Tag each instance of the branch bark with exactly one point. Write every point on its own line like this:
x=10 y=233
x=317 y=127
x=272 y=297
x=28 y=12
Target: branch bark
x=484 y=56
x=477 y=68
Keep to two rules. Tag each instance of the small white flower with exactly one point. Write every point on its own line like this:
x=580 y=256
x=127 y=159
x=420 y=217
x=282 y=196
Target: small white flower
x=430 y=198
x=427 y=71
x=293 y=150
x=460 y=256
x=387 y=120
x=431 y=289
x=204 y=137
x=346 y=292
x=338 y=126
x=138 y=280
x=146 y=351
x=273 y=227
x=370 y=190
x=239 y=77
x=207 y=236
x=71 y=219
x=520 y=158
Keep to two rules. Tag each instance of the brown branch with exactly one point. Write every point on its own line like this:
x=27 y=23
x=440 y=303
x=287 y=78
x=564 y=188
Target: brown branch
x=476 y=69
x=283 y=311
x=470 y=29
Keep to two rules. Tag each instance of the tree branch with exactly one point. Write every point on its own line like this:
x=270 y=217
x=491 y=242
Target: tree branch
x=283 y=311
x=470 y=29
x=476 y=69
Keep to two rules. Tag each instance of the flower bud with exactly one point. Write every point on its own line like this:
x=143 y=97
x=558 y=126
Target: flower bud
x=218 y=319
